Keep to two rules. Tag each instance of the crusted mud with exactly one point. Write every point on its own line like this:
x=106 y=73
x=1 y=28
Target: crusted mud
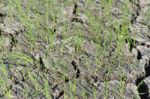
x=68 y=67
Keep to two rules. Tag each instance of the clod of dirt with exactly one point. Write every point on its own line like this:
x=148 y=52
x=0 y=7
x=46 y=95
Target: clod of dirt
x=5 y=44
x=112 y=87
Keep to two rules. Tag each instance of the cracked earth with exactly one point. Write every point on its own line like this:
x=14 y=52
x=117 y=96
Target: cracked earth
x=81 y=65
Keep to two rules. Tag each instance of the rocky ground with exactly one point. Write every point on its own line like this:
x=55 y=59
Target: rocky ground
x=67 y=70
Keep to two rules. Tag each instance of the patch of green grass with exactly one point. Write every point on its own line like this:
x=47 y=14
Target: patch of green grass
x=40 y=18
